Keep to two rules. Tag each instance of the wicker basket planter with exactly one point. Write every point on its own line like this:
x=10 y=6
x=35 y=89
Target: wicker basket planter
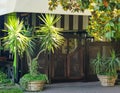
x=107 y=80
x=36 y=85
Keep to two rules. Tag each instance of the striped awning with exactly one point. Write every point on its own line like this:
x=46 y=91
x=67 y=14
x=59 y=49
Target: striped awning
x=32 y=6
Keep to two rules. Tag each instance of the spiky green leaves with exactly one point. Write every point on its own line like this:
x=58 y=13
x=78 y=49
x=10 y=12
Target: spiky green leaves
x=50 y=36
x=14 y=39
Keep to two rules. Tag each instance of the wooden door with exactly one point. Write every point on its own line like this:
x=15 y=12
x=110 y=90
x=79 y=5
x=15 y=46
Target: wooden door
x=67 y=62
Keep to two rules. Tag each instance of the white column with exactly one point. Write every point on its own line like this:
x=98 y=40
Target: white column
x=85 y=22
x=58 y=24
x=75 y=22
x=66 y=22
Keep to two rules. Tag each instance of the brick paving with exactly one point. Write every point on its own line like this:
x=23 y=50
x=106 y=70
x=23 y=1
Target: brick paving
x=79 y=87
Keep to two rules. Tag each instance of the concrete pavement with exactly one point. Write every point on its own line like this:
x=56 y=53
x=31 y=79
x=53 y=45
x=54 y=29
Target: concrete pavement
x=79 y=87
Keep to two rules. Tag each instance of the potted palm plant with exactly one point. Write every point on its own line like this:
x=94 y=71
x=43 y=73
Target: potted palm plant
x=14 y=40
x=106 y=68
x=50 y=39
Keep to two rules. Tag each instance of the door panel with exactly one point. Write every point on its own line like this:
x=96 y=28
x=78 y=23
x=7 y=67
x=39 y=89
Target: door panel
x=58 y=66
x=67 y=62
x=75 y=65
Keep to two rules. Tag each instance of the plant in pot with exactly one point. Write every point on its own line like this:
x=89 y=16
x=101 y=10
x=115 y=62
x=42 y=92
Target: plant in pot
x=33 y=81
x=14 y=40
x=106 y=68
x=49 y=38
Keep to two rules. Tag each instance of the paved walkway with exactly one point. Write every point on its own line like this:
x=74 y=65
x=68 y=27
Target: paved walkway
x=79 y=87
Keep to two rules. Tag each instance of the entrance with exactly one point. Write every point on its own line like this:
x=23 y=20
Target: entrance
x=67 y=62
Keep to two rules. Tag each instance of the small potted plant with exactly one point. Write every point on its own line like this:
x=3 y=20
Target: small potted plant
x=50 y=39
x=106 y=68
x=33 y=81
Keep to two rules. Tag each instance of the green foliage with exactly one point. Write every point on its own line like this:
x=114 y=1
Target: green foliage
x=15 y=40
x=50 y=39
x=11 y=90
x=106 y=65
x=81 y=5
x=117 y=27
x=34 y=67
x=33 y=75
x=3 y=78
x=49 y=35
x=28 y=77
x=104 y=26
x=113 y=63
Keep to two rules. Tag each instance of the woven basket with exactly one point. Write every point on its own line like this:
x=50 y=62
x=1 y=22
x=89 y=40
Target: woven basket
x=107 y=80
x=36 y=85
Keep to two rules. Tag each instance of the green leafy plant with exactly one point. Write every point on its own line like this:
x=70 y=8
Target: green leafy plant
x=49 y=35
x=15 y=40
x=48 y=39
x=3 y=78
x=106 y=65
x=28 y=77
x=113 y=64
x=104 y=25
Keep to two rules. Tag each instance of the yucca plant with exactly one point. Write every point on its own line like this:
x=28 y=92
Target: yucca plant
x=48 y=39
x=14 y=40
x=106 y=65
x=49 y=36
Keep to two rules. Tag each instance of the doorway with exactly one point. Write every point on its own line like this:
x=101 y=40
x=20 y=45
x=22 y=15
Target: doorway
x=67 y=62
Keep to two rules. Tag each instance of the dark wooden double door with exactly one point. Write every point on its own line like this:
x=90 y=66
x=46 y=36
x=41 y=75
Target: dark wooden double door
x=67 y=62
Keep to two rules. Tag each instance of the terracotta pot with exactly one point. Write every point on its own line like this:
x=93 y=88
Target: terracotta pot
x=107 y=80
x=35 y=86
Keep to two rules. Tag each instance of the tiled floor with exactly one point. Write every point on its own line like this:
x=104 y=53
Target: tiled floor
x=79 y=87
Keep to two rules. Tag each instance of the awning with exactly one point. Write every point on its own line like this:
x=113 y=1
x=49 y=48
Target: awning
x=7 y=6
x=32 y=6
